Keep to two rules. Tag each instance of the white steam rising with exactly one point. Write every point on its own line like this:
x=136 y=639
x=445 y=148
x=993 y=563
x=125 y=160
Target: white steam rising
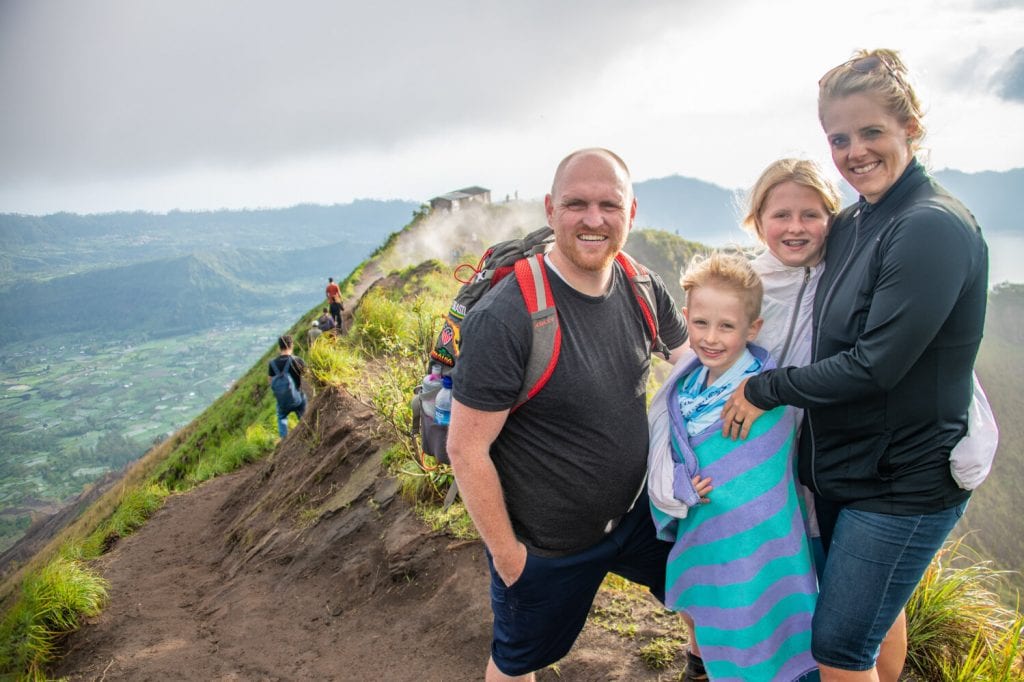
x=461 y=236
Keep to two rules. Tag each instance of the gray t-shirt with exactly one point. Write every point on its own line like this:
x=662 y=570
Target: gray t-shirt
x=574 y=456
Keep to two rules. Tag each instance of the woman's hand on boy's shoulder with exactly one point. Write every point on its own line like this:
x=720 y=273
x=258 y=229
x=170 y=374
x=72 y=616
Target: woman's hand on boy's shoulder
x=739 y=414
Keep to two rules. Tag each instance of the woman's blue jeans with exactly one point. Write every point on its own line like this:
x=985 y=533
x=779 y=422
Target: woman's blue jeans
x=873 y=563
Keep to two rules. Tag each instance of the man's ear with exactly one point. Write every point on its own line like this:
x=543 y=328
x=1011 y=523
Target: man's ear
x=632 y=213
x=549 y=207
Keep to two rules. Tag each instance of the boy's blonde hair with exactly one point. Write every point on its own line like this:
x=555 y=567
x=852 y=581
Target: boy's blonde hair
x=727 y=271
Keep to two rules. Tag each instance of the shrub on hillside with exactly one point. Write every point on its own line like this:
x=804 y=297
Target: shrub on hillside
x=137 y=505
x=956 y=628
x=380 y=325
x=334 y=362
x=52 y=604
x=257 y=441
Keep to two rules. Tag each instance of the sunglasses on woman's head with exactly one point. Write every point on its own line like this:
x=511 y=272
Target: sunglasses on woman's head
x=862 y=65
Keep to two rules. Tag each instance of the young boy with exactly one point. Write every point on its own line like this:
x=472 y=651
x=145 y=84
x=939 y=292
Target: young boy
x=740 y=569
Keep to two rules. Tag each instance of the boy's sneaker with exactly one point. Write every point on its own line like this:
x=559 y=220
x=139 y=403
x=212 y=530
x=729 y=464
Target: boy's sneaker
x=694 y=671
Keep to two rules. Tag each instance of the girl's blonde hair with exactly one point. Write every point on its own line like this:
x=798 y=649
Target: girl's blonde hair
x=800 y=171
x=727 y=271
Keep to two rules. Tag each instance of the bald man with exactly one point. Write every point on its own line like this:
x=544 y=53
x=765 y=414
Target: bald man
x=556 y=488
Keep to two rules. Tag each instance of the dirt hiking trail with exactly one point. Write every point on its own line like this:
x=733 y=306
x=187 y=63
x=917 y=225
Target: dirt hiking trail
x=311 y=566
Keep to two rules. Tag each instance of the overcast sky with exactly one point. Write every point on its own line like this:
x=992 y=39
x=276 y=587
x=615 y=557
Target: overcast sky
x=125 y=104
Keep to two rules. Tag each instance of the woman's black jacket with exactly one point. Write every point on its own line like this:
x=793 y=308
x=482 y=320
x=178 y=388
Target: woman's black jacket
x=898 y=318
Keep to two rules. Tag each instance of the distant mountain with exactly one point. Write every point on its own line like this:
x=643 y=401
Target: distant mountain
x=316 y=222
x=991 y=196
x=702 y=211
x=66 y=243
x=174 y=295
x=693 y=209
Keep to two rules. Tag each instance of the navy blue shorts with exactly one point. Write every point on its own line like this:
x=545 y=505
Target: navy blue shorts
x=538 y=618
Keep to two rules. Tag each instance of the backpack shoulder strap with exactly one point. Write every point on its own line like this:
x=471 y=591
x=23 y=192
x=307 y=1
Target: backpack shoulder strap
x=643 y=289
x=287 y=365
x=547 y=335
x=532 y=278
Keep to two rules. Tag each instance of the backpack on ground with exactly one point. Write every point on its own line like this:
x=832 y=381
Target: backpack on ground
x=282 y=383
x=523 y=257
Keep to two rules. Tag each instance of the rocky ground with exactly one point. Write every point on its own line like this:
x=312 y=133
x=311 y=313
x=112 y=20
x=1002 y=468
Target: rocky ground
x=311 y=565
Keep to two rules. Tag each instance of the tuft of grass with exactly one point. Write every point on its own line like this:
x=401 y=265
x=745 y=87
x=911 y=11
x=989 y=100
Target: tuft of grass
x=257 y=441
x=453 y=521
x=396 y=328
x=660 y=652
x=307 y=517
x=380 y=325
x=427 y=317
x=1003 y=662
x=333 y=361
x=421 y=484
x=51 y=605
x=137 y=505
x=955 y=623
x=617 y=615
x=389 y=391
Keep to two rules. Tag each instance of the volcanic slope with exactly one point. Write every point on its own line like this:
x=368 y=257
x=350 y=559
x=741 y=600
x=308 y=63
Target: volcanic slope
x=234 y=581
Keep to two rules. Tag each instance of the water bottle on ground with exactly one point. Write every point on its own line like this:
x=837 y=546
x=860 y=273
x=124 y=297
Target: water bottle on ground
x=443 y=403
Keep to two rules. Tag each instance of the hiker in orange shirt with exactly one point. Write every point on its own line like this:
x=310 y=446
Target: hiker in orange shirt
x=334 y=299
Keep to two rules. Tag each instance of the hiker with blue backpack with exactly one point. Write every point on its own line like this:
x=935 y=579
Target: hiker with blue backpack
x=285 y=373
x=553 y=473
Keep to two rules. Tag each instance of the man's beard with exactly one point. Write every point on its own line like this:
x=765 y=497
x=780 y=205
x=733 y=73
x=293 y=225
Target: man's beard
x=590 y=262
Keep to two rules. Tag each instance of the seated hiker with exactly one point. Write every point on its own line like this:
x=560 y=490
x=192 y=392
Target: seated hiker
x=313 y=334
x=326 y=321
x=741 y=565
x=285 y=373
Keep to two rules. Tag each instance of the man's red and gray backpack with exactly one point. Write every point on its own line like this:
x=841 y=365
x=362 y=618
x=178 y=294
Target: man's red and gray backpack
x=523 y=257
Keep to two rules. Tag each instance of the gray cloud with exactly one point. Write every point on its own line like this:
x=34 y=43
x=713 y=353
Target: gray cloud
x=997 y=4
x=105 y=88
x=968 y=72
x=1009 y=81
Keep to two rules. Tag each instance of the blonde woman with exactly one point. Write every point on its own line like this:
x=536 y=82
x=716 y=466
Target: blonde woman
x=899 y=313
